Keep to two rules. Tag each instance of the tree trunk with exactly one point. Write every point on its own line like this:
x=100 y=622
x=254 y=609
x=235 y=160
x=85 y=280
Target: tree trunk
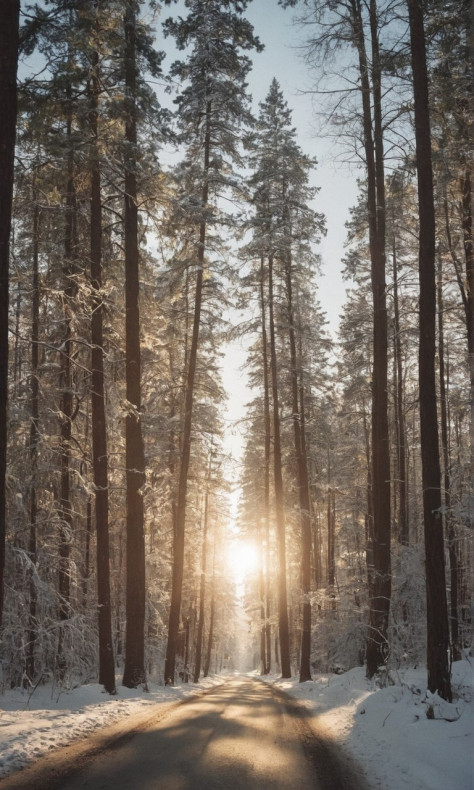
x=437 y=616
x=466 y=192
x=369 y=517
x=267 y=648
x=87 y=555
x=8 y=103
x=179 y=535
x=318 y=570
x=377 y=644
x=331 y=543
x=448 y=516
x=202 y=587
x=66 y=389
x=99 y=425
x=34 y=441
x=210 y=637
x=279 y=495
x=134 y=670
x=302 y=482
x=17 y=353
x=403 y=529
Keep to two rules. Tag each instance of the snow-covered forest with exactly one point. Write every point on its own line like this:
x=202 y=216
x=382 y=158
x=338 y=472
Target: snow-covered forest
x=150 y=214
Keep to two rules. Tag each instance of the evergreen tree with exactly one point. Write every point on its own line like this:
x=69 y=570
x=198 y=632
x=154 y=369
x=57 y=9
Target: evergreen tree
x=437 y=613
x=99 y=425
x=284 y=227
x=212 y=106
x=9 y=42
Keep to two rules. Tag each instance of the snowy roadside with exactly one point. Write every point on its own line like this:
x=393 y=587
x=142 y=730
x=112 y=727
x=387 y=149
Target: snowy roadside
x=387 y=731
x=33 y=724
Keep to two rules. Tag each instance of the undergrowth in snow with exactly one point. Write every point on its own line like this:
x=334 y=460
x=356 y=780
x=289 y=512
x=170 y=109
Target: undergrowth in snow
x=404 y=737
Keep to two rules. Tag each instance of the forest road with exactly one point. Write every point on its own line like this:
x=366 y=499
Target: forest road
x=243 y=735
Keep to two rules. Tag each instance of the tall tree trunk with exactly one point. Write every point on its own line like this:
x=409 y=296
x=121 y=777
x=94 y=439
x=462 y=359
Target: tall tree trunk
x=437 y=615
x=466 y=192
x=448 y=516
x=267 y=648
x=179 y=534
x=261 y=597
x=403 y=530
x=202 y=586
x=284 y=630
x=318 y=570
x=210 y=637
x=331 y=542
x=302 y=482
x=17 y=353
x=8 y=103
x=369 y=516
x=87 y=553
x=34 y=441
x=466 y=287
x=134 y=670
x=377 y=644
x=99 y=425
x=66 y=389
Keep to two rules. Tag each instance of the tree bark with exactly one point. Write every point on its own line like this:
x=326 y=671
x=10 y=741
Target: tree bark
x=66 y=389
x=202 y=586
x=34 y=441
x=403 y=524
x=210 y=637
x=447 y=516
x=379 y=610
x=134 y=670
x=9 y=40
x=284 y=630
x=331 y=542
x=302 y=481
x=99 y=424
x=436 y=602
x=267 y=646
x=466 y=192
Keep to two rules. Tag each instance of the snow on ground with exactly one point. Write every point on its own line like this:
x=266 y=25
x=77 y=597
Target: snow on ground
x=385 y=729
x=34 y=722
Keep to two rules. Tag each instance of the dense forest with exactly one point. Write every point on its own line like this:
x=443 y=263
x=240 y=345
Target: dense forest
x=120 y=265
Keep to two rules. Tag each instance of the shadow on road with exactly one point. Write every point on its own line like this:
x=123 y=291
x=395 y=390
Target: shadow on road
x=244 y=735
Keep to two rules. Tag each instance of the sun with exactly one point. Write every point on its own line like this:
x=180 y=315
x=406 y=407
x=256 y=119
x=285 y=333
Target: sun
x=242 y=558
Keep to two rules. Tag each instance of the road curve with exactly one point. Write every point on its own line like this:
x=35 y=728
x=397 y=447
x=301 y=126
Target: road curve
x=243 y=735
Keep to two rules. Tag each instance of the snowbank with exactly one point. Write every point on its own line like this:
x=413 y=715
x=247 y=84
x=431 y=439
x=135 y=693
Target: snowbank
x=388 y=731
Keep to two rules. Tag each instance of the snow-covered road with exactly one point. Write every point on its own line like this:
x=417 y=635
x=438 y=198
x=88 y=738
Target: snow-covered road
x=243 y=734
x=386 y=730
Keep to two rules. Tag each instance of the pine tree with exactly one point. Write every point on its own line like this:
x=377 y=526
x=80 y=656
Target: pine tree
x=134 y=670
x=99 y=426
x=437 y=615
x=211 y=106
x=358 y=26
x=9 y=42
x=284 y=227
